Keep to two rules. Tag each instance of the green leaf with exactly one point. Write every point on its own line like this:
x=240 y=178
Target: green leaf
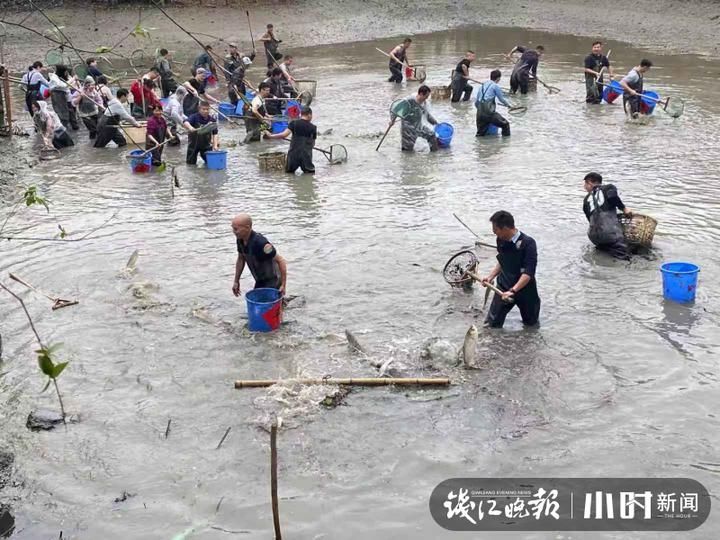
x=59 y=369
x=46 y=386
x=53 y=348
x=103 y=49
x=45 y=363
x=63 y=232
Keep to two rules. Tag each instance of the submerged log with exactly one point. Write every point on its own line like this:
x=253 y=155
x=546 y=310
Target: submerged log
x=373 y=381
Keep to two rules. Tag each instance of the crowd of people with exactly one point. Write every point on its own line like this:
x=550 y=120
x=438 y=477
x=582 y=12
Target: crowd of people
x=171 y=107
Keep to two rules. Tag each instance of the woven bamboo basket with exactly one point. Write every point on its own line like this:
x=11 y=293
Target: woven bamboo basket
x=440 y=92
x=272 y=161
x=306 y=86
x=638 y=229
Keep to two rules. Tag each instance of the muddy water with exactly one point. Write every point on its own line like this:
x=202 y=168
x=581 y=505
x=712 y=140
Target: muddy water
x=615 y=382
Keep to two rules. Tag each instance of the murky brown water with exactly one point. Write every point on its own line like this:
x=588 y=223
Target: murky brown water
x=615 y=383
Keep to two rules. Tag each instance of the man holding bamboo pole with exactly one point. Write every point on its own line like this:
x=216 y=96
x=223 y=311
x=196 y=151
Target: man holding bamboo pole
x=515 y=270
x=399 y=57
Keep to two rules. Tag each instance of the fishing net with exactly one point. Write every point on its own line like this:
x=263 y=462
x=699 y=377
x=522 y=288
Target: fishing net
x=456 y=269
x=54 y=57
x=306 y=86
x=137 y=58
x=338 y=154
x=305 y=98
x=80 y=71
x=419 y=74
x=517 y=110
x=400 y=108
x=675 y=107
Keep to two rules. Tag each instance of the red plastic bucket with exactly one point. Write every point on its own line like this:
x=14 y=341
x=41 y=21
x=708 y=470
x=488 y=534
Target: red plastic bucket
x=612 y=91
x=409 y=72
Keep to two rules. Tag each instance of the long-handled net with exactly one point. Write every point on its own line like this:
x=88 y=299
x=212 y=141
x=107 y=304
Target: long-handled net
x=673 y=106
x=457 y=268
x=399 y=108
x=419 y=74
x=305 y=98
x=338 y=154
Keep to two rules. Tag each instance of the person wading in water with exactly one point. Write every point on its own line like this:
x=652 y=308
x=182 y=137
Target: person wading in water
x=485 y=103
x=524 y=67
x=271 y=46
x=515 y=270
x=413 y=123
x=304 y=134
x=594 y=63
x=600 y=206
x=632 y=83
x=398 y=56
x=460 y=85
x=267 y=267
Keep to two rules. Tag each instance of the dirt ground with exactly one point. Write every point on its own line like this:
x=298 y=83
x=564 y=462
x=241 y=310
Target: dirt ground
x=658 y=25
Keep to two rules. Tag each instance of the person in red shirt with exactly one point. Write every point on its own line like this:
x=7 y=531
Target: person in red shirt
x=144 y=99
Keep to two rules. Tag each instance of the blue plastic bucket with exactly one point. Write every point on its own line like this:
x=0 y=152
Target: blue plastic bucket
x=612 y=91
x=239 y=108
x=264 y=308
x=249 y=94
x=292 y=109
x=444 y=134
x=216 y=160
x=679 y=281
x=226 y=109
x=647 y=106
x=492 y=129
x=278 y=126
x=139 y=163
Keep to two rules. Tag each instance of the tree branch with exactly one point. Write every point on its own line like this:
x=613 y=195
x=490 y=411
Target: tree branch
x=83 y=237
x=27 y=313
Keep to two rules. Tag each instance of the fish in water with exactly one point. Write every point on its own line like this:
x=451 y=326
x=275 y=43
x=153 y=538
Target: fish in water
x=327 y=131
x=469 y=348
x=132 y=261
x=354 y=343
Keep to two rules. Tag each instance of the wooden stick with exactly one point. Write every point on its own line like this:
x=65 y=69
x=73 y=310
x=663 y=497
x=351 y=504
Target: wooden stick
x=473 y=232
x=220 y=444
x=392 y=123
x=273 y=480
x=372 y=381
x=58 y=302
x=8 y=103
x=389 y=56
x=488 y=285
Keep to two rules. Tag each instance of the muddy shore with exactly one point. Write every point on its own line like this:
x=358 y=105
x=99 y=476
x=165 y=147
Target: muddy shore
x=658 y=25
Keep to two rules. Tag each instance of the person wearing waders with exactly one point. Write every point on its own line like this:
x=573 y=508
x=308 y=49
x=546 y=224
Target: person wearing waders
x=595 y=62
x=398 y=57
x=253 y=122
x=600 y=206
x=49 y=126
x=413 y=123
x=274 y=106
x=236 y=79
x=267 y=267
x=271 y=46
x=515 y=270
x=460 y=85
x=61 y=97
x=35 y=79
x=108 y=129
x=196 y=91
x=156 y=132
x=200 y=143
x=632 y=83
x=205 y=61
x=524 y=67
x=168 y=84
x=88 y=104
x=304 y=134
x=485 y=104
x=174 y=116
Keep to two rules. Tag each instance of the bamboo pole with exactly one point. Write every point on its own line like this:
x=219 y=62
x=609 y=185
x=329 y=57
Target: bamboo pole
x=273 y=480
x=7 y=102
x=371 y=381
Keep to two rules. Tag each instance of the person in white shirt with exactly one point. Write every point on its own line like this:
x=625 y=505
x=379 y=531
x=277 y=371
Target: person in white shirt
x=108 y=127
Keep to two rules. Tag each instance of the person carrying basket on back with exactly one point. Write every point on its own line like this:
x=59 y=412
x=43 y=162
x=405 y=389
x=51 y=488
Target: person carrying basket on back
x=600 y=207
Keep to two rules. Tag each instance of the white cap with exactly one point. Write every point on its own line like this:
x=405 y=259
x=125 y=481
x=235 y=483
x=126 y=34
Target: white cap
x=246 y=61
